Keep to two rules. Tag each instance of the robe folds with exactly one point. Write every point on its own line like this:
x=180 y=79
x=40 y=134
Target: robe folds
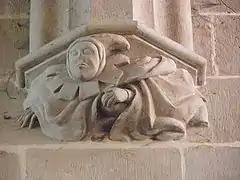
x=69 y=110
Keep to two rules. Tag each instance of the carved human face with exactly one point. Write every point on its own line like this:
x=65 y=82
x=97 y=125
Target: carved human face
x=83 y=61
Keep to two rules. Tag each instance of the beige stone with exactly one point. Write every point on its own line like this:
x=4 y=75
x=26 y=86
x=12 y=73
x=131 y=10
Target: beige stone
x=128 y=28
x=228 y=44
x=12 y=37
x=212 y=163
x=143 y=11
x=159 y=15
x=101 y=164
x=49 y=19
x=173 y=19
x=84 y=12
x=9 y=166
x=225 y=6
x=223 y=105
x=202 y=27
x=11 y=134
x=14 y=7
x=139 y=48
x=61 y=96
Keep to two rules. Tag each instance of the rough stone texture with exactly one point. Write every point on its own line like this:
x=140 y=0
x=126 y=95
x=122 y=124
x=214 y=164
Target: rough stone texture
x=9 y=166
x=224 y=108
x=14 y=7
x=202 y=27
x=102 y=164
x=209 y=163
x=228 y=44
x=13 y=37
x=173 y=19
x=143 y=14
x=228 y=6
x=10 y=131
x=49 y=20
x=83 y=12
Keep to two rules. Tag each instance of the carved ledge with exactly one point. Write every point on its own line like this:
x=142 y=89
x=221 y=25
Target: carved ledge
x=122 y=81
x=56 y=47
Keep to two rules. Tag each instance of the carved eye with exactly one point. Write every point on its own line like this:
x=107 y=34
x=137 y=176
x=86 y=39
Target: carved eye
x=87 y=51
x=75 y=52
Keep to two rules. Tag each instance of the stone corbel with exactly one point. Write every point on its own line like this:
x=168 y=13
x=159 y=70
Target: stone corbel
x=141 y=85
x=145 y=34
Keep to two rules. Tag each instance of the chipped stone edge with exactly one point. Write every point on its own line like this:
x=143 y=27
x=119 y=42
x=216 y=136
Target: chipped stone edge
x=124 y=28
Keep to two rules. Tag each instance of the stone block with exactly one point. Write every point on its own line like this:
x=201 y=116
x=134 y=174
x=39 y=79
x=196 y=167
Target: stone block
x=223 y=105
x=228 y=44
x=14 y=44
x=218 y=6
x=84 y=12
x=209 y=163
x=143 y=14
x=103 y=164
x=202 y=27
x=9 y=166
x=14 y=7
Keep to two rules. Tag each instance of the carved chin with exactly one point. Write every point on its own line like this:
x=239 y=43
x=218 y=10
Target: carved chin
x=87 y=76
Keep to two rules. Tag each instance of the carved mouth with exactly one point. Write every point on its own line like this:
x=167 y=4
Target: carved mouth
x=83 y=65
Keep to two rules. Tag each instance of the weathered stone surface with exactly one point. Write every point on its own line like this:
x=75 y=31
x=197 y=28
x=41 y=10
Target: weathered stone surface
x=83 y=12
x=9 y=166
x=143 y=14
x=10 y=132
x=14 y=7
x=173 y=19
x=224 y=108
x=227 y=6
x=228 y=44
x=209 y=163
x=13 y=37
x=49 y=20
x=202 y=27
x=101 y=164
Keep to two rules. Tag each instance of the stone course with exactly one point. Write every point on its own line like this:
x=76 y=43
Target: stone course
x=212 y=163
x=100 y=164
x=9 y=166
x=216 y=6
x=227 y=29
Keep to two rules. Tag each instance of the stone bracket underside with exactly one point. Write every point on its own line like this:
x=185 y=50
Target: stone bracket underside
x=123 y=28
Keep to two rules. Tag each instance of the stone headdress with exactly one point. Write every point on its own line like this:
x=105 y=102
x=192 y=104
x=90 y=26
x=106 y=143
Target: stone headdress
x=106 y=44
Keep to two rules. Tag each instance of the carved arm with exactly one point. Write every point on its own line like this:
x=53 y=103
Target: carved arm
x=147 y=67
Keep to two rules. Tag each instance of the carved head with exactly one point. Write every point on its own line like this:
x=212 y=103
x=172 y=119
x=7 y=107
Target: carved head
x=86 y=57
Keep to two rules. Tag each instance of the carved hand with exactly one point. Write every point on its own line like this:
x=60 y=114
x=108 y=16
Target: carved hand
x=116 y=95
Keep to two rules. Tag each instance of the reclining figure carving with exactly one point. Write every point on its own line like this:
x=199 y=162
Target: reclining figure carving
x=99 y=93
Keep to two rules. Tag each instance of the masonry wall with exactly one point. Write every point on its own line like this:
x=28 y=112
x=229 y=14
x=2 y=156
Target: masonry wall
x=212 y=154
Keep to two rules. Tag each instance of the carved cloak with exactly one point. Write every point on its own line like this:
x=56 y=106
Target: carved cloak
x=161 y=103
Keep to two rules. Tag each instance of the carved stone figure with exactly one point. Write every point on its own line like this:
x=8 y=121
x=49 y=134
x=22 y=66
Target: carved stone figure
x=100 y=93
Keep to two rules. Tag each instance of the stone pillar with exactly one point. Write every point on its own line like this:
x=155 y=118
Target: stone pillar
x=51 y=18
x=172 y=18
x=88 y=11
x=48 y=19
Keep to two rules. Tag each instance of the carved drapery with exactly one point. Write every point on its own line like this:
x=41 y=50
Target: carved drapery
x=102 y=89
